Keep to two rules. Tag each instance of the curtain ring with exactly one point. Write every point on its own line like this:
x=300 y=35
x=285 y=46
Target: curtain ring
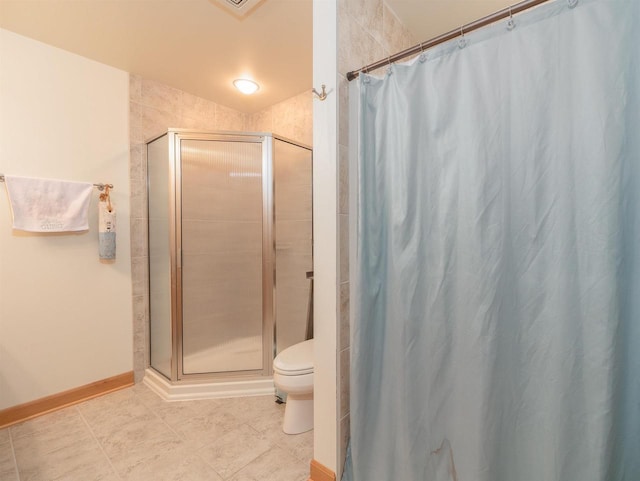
x=462 y=41
x=364 y=76
x=423 y=56
x=511 y=24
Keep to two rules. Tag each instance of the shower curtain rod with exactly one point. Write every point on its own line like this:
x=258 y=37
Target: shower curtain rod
x=469 y=27
x=100 y=186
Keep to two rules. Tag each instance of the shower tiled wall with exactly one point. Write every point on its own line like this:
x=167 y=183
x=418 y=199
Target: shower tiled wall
x=367 y=32
x=155 y=107
x=292 y=119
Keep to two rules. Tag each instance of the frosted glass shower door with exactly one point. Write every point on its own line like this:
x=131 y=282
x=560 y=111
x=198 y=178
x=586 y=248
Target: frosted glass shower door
x=222 y=265
x=294 y=241
x=160 y=178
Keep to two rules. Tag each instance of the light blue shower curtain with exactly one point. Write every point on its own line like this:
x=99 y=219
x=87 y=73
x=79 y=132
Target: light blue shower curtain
x=496 y=334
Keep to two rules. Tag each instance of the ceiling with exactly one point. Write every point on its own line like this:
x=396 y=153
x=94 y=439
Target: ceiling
x=429 y=18
x=194 y=45
x=200 y=47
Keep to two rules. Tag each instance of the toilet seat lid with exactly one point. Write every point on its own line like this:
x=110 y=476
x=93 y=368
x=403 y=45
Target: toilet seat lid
x=295 y=360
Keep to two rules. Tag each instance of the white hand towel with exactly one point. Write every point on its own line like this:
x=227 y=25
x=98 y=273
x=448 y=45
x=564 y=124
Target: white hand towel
x=45 y=205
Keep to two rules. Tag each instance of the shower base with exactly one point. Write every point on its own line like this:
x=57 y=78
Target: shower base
x=206 y=390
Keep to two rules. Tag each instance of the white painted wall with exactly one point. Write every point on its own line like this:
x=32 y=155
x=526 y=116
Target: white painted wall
x=65 y=317
x=325 y=233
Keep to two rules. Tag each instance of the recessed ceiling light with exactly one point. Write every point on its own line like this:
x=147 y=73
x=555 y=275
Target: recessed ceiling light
x=246 y=86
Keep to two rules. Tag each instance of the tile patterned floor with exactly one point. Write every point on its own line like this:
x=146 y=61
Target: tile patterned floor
x=132 y=435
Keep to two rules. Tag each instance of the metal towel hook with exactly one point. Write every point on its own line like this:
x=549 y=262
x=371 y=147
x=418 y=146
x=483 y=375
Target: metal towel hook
x=101 y=187
x=323 y=95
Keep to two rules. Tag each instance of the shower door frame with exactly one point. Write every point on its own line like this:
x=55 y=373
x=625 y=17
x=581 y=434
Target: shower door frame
x=266 y=139
x=268 y=254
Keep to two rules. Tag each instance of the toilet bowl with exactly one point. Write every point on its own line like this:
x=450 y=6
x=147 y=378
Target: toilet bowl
x=293 y=374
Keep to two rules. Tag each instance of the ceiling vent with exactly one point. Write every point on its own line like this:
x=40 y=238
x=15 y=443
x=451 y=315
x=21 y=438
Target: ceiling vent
x=239 y=8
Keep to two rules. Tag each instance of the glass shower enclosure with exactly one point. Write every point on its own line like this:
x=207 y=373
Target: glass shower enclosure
x=230 y=247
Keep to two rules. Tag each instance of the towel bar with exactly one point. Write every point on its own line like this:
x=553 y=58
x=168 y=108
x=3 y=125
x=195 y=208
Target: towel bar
x=99 y=186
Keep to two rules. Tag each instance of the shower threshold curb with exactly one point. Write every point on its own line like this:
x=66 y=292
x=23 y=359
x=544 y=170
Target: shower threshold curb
x=207 y=390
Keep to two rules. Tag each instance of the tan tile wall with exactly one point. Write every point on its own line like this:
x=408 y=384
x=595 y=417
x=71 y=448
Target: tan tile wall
x=367 y=32
x=292 y=119
x=154 y=108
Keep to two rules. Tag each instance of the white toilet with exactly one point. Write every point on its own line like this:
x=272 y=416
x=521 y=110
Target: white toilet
x=293 y=374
